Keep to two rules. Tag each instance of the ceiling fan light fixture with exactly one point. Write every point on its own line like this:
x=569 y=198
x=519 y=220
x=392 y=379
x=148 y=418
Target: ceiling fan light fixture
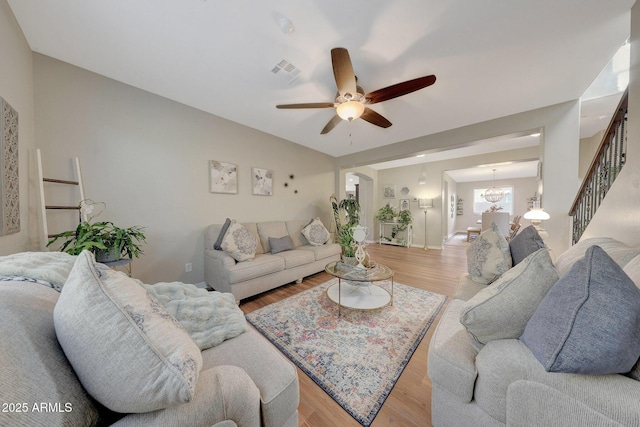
x=350 y=110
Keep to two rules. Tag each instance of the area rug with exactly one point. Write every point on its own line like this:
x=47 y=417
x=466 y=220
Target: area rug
x=356 y=358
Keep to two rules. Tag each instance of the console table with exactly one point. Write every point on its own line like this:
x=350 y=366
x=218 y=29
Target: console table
x=406 y=238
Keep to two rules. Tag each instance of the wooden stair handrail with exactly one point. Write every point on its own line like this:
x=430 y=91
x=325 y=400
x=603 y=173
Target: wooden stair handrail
x=60 y=181
x=620 y=111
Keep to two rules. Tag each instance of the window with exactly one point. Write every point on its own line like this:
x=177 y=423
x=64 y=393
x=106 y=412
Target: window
x=481 y=205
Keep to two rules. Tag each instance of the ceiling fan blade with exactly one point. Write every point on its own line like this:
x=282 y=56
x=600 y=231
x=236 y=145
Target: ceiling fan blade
x=309 y=105
x=375 y=118
x=399 y=89
x=343 y=71
x=332 y=123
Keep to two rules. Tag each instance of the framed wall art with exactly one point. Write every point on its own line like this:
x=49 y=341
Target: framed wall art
x=389 y=192
x=223 y=177
x=262 y=181
x=404 y=204
x=9 y=177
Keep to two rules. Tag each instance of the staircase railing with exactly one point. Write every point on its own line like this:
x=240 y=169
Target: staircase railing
x=605 y=167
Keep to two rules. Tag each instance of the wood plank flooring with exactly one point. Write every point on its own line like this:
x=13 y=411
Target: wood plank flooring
x=409 y=403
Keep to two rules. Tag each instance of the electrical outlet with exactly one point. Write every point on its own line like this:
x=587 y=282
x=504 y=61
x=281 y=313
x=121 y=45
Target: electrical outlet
x=187 y=267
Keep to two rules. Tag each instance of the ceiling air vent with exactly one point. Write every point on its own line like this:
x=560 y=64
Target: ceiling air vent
x=285 y=70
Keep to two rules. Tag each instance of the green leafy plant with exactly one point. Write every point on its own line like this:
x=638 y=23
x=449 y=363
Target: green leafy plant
x=386 y=214
x=404 y=219
x=347 y=215
x=102 y=237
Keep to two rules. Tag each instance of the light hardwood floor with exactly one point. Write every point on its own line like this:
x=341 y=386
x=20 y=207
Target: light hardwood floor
x=409 y=403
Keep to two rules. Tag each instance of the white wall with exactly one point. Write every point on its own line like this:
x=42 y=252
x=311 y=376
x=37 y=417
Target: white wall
x=523 y=189
x=147 y=158
x=16 y=87
x=619 y=213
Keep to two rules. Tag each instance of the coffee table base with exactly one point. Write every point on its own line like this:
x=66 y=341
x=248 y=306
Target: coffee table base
x=358 y=297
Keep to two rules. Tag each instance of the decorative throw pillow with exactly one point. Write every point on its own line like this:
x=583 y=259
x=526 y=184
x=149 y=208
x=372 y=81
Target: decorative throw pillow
x=589 y=322
x=618 y=251
x=282 y=244
x=488 y=256
x=524 y=244
x=316 y=233
x=502 y=309
x=129 y=353
x=218 y=243
x=239 y=242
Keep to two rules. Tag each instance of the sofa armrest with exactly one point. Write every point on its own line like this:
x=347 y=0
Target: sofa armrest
x=531 y=403
x=216 y=267
x=451 y=363
x=223 y=393
x=503 y=363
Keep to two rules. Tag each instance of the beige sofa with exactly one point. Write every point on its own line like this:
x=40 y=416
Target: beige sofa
x=244 y=381
x=502 y=383
x=266 y=271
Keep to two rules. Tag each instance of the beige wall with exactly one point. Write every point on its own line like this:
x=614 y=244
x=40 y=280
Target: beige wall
x=588 y=148
x=437 y=221
x=619 y=213
x=523 y=188
x=147 y=158
x=16 y=87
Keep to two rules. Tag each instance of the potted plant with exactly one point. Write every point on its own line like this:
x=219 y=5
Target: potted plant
x=386 y=214
x=404 y=219
x=107 y=241
x=347 y=215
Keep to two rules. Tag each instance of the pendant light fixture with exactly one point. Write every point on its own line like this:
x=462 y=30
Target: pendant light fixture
x=494 y=194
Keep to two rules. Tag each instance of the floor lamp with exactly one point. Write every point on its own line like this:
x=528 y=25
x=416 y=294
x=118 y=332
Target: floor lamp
x=425 y=204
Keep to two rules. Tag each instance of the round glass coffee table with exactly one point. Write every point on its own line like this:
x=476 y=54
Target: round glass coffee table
x=355 y=288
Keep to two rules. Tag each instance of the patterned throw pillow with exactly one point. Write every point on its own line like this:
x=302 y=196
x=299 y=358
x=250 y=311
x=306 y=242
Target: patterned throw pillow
x=589 y=322
x=488 y=256
x=239 y=243
x=129 y=353
x=316 y=233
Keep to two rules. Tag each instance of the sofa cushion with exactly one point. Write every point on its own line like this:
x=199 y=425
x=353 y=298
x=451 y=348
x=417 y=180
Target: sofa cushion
x=217 y=245
x=327 y=250
x=467 y=288
x=129 y=353
x=239 y=243
x=281 y=244
x=502 y=309
x=294 y=228
x=261 y=265
x=34 y=367
x=271 y=229
x=488 y=256
x=296 y=257
x=524 y=244
x=589 y=322
x=618 y=251
x=316 y=233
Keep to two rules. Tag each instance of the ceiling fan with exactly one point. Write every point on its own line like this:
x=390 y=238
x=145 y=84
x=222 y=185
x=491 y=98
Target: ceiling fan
x=351 y=101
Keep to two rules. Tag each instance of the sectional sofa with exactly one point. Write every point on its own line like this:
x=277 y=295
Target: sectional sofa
x=266 y=270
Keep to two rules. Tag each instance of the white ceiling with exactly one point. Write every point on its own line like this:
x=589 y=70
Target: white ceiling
x=491 y=58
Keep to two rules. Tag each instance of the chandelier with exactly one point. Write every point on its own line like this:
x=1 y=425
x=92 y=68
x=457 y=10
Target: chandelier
x=494 y=194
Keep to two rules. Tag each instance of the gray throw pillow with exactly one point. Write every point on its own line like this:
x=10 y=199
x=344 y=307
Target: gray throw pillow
x=281 y=244
x=218 y=244
x=239 y=242
x=524 y=244
x=129 y=353
x=502 y=309
x=488 y=256
x=589 y=322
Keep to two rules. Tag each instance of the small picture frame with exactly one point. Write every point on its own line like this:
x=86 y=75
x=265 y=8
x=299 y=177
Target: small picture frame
x=223 y=177
x=405 y=204
x=262 y=181
x=389 y=191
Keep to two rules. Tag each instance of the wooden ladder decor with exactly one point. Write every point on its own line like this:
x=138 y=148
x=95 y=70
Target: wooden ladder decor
x=44 y=207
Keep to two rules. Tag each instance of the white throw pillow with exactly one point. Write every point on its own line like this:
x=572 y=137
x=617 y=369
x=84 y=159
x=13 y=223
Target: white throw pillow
x=488 y=256
x=239 y=242
x=316 y=233
x=129 y=353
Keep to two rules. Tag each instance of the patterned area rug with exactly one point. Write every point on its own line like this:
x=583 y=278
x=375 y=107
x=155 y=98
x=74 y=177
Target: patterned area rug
x=358 y=357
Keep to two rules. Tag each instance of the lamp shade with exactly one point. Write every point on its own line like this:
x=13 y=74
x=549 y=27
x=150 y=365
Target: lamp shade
x=425 y=203
x=536 y=215
x=350 y=110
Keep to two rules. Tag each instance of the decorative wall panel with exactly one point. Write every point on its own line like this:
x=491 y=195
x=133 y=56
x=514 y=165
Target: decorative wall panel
x=9 y=177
